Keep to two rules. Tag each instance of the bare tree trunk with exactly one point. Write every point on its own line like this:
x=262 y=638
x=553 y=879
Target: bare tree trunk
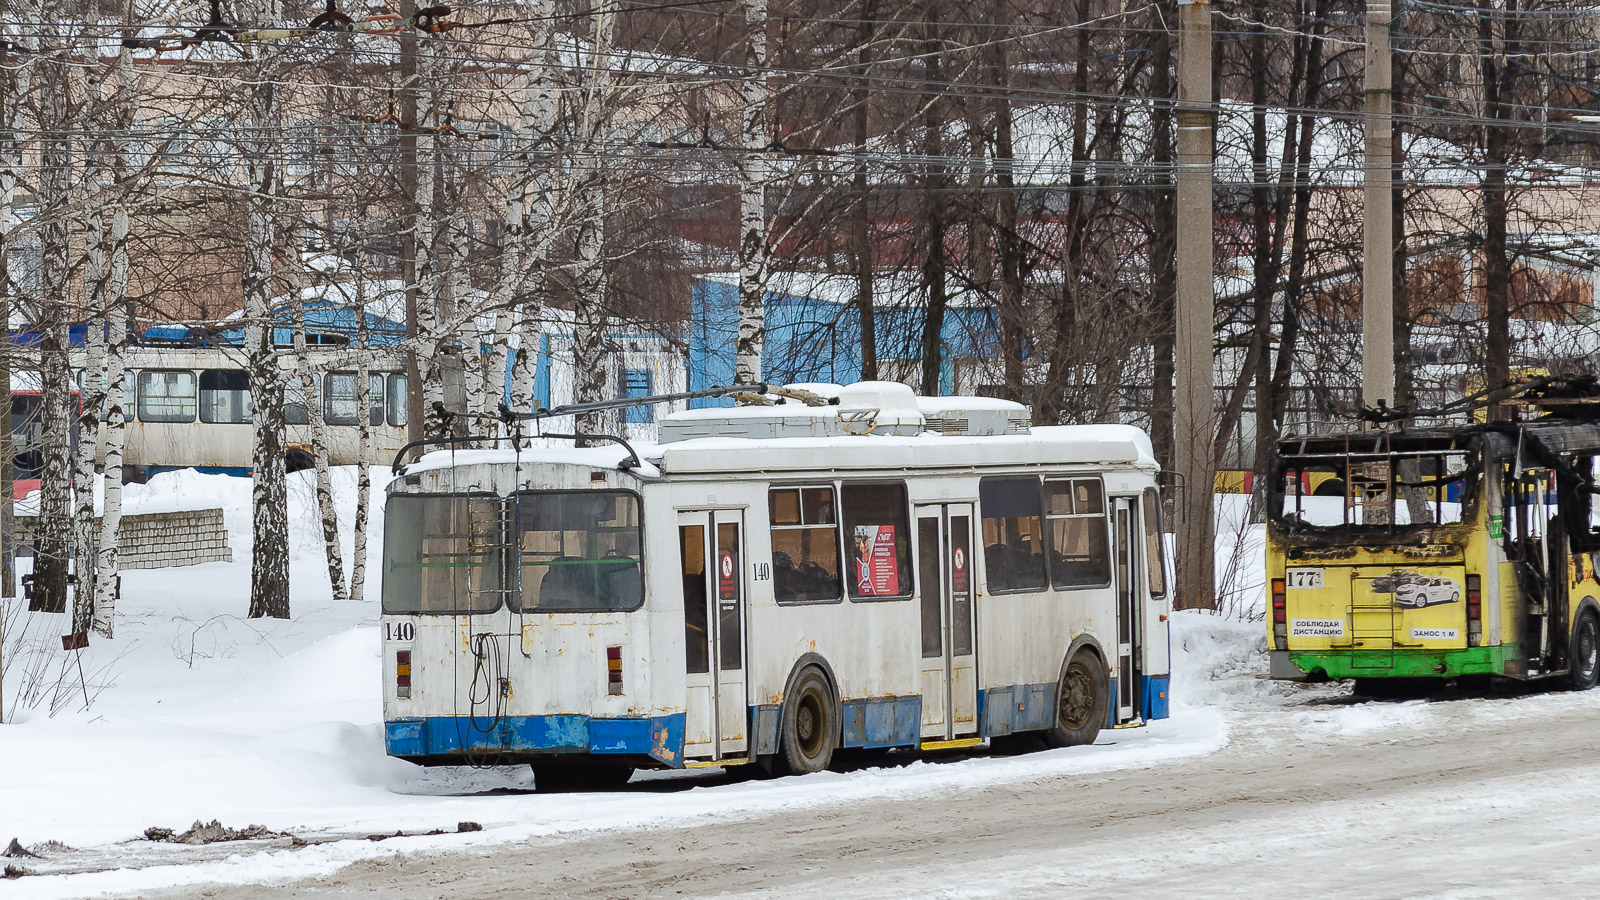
x=358 y=553
x=316 y=416
x=1497 y=265
x=54 y=528
x=753 y=248
x=861 y=218
x=536 y=234
x=269 y=563
x=425 y=275
x=92 y=399
x=13 y=118
x=935 y=264
x=589 y=300
x=1163 y=243
x=1008 y=240
x=108 y=579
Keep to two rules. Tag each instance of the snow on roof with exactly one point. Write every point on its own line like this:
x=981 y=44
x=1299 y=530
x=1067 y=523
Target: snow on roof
x=606 y=457
x=1051 y=445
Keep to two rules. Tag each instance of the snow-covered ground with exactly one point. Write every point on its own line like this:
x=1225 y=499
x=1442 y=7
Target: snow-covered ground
x=199 y=713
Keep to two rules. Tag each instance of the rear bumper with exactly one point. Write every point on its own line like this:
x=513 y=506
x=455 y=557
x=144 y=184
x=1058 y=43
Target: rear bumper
x=450 y=740
x=1401 y=663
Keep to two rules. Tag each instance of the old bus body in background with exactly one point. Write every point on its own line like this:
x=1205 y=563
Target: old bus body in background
x=1435 y=552
x=772 y=583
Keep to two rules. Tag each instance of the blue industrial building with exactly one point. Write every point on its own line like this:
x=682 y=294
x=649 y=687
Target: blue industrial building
x=813 y=338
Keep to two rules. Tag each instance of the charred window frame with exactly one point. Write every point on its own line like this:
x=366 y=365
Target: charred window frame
x=1295 y=461
x=1569 y=476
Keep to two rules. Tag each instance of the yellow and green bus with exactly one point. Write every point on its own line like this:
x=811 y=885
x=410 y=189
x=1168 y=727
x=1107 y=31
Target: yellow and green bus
x=1435 y=553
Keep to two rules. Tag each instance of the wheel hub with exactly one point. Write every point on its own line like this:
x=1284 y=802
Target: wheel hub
x=1077 y=700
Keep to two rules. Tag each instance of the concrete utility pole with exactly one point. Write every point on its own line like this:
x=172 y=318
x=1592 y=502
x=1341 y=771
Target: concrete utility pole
x=1377 y=256
x=1195 y=402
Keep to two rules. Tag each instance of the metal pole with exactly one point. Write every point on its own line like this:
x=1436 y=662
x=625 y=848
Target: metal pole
x=1195 y=401
x=1377 y=267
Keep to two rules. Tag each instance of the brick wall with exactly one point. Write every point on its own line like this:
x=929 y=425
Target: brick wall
x=154 y=540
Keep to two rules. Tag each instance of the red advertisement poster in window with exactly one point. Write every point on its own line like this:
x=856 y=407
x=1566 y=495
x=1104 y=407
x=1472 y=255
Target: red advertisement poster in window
x=877 y=566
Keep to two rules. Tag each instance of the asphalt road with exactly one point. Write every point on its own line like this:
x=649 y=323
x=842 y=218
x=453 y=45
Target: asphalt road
x=1459 y=797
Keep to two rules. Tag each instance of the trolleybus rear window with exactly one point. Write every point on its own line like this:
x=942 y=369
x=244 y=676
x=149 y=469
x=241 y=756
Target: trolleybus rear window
x=578 y=551
x=441 y=554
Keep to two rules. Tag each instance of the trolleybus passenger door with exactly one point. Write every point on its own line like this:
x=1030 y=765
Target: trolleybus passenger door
x=711 y=546
x=1129 y=624
x=949 y=651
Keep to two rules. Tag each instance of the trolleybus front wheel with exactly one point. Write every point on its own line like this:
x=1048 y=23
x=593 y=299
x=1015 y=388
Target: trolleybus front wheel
x=1583 y=661
x=810 y=725
x=1083 y=699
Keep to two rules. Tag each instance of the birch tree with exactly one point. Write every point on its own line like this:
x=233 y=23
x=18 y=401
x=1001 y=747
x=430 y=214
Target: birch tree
x=258 y=143
x=54 y=310
x=318 y=423
x=752 y=169
x=589 y=264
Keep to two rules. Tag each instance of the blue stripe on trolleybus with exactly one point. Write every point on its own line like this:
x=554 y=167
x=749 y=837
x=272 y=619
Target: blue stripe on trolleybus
x=659 y=737
x=1157 y=693
x=882 y=722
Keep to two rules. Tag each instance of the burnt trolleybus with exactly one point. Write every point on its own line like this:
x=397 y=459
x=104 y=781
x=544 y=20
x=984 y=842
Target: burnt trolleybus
x=772 y=583
x=1436 y=552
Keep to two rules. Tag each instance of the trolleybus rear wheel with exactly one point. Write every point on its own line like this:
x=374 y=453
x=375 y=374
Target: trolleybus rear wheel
x=810 y=725
x=1583 y=665
x=1082 y=702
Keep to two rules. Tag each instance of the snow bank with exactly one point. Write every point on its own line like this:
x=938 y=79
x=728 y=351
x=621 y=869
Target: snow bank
x=200 y=713
x=1216 y=660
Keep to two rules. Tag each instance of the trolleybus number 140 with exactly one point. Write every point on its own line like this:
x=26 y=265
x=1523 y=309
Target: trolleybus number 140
x=399 y=631
x=1303 y=579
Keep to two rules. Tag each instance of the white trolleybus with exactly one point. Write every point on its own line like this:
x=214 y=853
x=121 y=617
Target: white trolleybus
x=774 y=583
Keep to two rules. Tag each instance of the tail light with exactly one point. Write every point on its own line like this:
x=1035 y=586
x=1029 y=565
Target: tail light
x=1474 y=610
x=1280 y=614
x=613 y=670
x=402 y=674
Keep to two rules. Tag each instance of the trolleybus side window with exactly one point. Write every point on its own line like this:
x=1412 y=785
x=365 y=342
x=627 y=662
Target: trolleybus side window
x=395 y=400
x=1013 y=541
x=294 y=401
x=1079 y=548
x=805 y=545
x=166 y=396
x=877 y=530
x=441 y=554
x=224 y=396
x=578 y=551
x=342 y=406
x=1156 y=573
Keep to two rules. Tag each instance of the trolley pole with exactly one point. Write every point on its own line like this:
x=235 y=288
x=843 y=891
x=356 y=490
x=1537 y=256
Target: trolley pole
x=1377 y=256
x=1195 y=402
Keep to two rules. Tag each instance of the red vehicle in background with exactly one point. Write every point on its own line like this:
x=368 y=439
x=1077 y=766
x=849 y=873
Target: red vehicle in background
x=27 y=431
